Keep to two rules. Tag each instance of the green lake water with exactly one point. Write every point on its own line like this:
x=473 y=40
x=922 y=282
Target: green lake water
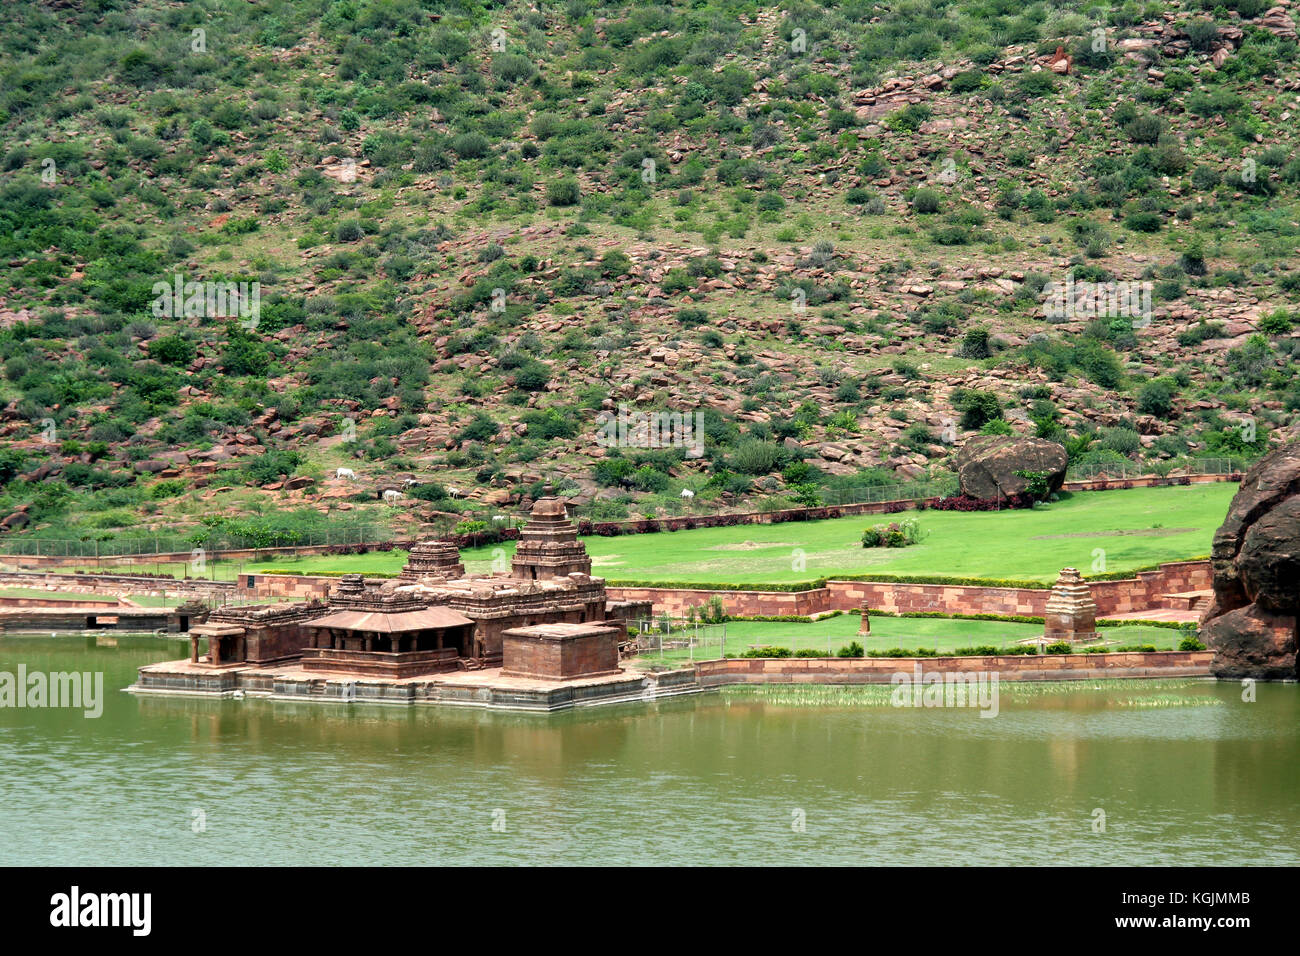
x=1196 y=776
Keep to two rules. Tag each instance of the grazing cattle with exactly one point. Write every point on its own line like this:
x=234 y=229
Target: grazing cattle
x=500 y=517
x=687 y=493
x=392 y=497
x=345 y=473
x=453 y=492
x=409 y=483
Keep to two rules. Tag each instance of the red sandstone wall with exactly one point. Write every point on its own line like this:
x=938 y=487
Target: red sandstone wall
x=743 y=603
x=275 y=642
x=943 y=598
x=1144 y=592
x=110 y=584
x=1148 y=589
x=879 y=670
x=299 y=587
x=104 y=602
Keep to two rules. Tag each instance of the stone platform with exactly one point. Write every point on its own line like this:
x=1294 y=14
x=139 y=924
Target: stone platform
x=488 y=688
x=70 y=616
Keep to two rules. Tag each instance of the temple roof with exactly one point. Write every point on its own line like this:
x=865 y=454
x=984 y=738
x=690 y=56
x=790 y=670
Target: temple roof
x=381 y=623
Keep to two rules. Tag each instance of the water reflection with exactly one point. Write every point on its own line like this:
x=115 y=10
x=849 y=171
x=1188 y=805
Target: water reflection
x=708 y=779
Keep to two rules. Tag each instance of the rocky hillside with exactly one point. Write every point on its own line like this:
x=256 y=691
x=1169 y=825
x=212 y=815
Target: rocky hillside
x=837 y=231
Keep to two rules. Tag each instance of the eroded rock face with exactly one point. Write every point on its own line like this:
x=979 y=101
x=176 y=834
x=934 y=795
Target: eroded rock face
x=1251 y=625
x=987 y=464
x=1251 y=642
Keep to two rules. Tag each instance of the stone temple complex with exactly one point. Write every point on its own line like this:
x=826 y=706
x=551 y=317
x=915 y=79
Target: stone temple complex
x=547 y=619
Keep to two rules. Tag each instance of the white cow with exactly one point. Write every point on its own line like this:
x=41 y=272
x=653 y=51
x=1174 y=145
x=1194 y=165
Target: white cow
x=687 y=493
x=409 y=482
x=499 y=517
x=453 y=492
x=392 y=497
x=346 y=473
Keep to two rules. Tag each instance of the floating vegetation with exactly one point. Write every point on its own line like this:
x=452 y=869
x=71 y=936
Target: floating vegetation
x=813 y=695
x=1056 y=688
x=1151 y=693
x=1168 y=700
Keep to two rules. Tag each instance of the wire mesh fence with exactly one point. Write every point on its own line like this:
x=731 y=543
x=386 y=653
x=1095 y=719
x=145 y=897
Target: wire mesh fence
x=176 y=544
x=678 y=639
x=873 y=494
x=1170 y=468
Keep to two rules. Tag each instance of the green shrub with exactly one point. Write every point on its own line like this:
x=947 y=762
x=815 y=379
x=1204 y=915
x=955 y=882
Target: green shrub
x=1033 y=85
x=1277 y=322
x=927 y=201
x=563 y=192
x=977 y=407
x=756 y=457
x=1201 y=34
x=470 y=145
x=172 y=350
x=767 y=652
x=975 y=344
x=1156 y=397
x=1143 y=221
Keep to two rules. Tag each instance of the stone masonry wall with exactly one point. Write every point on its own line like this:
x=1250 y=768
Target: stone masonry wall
x=1143 y=592
x=879 y=670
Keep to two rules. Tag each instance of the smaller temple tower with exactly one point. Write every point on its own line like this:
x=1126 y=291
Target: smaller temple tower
x=1071 y=613
x=549 y=545
x=439 y=559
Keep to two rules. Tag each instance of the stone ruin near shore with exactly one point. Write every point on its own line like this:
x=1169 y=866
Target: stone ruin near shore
x=548 y=618
x=1071 y=613
x=1251 y=623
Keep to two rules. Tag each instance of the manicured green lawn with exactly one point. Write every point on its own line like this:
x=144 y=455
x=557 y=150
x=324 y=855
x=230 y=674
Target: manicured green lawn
x=72 y=596
x=941 y=634
x=1176 y=523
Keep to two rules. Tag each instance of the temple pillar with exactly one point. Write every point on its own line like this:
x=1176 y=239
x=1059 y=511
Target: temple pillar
x=194 y=648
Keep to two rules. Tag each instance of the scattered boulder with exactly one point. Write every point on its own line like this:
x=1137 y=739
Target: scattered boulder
x=1251 y=623
x=987 y=465
x=1251 y=642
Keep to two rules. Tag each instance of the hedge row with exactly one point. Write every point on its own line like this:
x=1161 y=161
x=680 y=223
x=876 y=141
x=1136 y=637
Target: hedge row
x=986 y=650
x=944 y=579
x=815 y=583
x=784 y=618
x=610 y=529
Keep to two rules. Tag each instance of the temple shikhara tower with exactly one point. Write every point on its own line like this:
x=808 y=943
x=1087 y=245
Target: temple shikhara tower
x=433 y=559
x=549 y=545
x=548 y=619
x=1070 y=613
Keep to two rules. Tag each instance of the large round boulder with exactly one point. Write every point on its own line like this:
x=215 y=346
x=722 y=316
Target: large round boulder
x=987 y=465
x=1273 y=479
x=1252 y=642
x=1251 y=624
x=1269 y=561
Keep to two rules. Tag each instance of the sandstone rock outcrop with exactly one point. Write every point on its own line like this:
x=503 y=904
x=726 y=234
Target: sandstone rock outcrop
x=987 y=465
x=1251 y=624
